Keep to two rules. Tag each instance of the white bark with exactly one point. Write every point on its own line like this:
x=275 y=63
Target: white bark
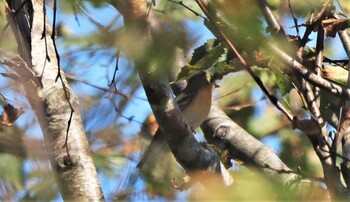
x=74 y=171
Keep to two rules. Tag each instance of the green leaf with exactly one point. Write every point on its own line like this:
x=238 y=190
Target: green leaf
x=282 y=80
x=222 y=68
x=186 y=72
x=204 y=57
x=11 y=170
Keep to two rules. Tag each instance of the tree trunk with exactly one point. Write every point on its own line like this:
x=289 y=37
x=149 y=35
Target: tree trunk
x=53 y=102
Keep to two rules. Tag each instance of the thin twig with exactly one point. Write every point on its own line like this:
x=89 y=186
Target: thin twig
x=319 y=61
x=295 y=20
x=271 y=97
x=188 y=8
x=97 y=24
x=116 y=69
x=313 y=21
x=108 y=90
x=271 y=19
x=336 y=154
x=344 y=37
x=320 y=142
x=153 y=3
x=222 y=95
x=130 y=119
x=335 y=89
x=75 y=15
x=43 y=36
x=59 y=76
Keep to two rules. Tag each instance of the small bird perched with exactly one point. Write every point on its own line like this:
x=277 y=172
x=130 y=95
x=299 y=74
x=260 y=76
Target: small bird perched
x=194 y=102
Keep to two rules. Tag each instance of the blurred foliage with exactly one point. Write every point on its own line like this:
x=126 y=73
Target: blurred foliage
x=116 y=115
x=12 y=173
x=252 y=186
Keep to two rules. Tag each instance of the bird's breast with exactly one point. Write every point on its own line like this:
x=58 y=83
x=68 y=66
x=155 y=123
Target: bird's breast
x=198 y=109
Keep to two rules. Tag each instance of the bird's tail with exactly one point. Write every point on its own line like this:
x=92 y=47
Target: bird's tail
x=157 y=142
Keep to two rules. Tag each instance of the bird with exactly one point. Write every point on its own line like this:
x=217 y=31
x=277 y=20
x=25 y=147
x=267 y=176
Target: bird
x=194 y=102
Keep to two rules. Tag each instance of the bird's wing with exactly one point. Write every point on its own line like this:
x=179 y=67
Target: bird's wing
x=183 y=101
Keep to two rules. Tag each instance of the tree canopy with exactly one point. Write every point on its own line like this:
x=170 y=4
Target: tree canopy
x=85 y=85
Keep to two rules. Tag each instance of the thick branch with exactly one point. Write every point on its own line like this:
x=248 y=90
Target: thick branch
x=271 y=19
x=220 y=129
x=191 y=154
x=321 y=147
x=344 y=37
x=344 y=133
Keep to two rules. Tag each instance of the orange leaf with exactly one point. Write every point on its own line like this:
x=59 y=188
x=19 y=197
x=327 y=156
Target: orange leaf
x=133 y=145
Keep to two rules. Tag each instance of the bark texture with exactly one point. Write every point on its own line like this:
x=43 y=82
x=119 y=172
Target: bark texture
x=192 y=155
x=221 y=131
x=226 y=135
x=74 y=170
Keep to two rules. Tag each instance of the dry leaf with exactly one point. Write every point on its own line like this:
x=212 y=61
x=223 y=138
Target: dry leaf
x=10 y=115
x=131 y=146
x=331 y=26
x=336 y=73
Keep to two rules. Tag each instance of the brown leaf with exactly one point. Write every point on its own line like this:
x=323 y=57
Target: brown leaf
x=10 y=115
x=331 y=26
x=133 y=145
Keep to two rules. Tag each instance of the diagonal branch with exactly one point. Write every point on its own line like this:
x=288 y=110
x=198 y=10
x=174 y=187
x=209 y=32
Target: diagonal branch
x=344 y=132
x=222 y=35
x=191 y=154
x=335 y=89
x=321 y=145
x=221 y=131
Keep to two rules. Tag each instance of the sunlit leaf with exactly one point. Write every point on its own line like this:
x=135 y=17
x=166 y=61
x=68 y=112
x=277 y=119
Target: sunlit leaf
x=282 y=80
x=336 y=73
x=203 y=58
